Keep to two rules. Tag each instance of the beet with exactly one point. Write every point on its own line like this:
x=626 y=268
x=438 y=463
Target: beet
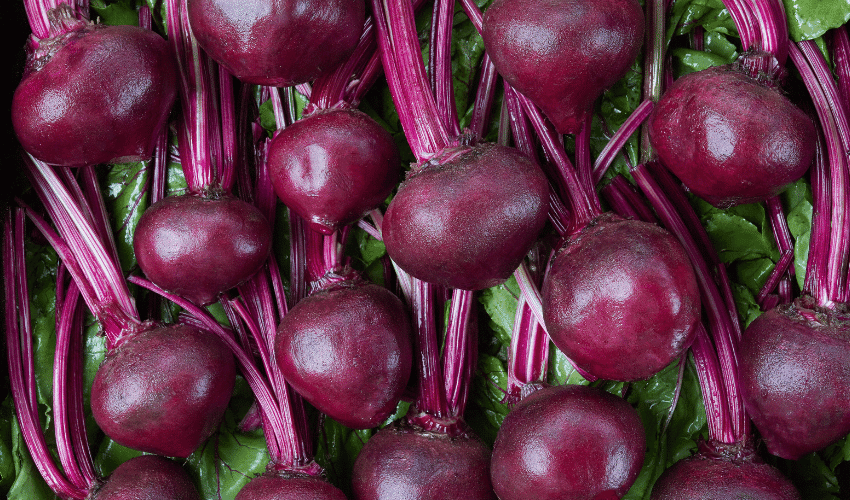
x=730 y=139
x=147 y=477
x=468 y=222
x=96 y=94
x=568 y=442
x=198 y=247
x=409 y=463
x=277 y=42
x=289 y=486
x=334 y=166
x=347 y=350
x=795 y=376
x=163 y=390
x=562 y=54
x=621 y=299
x=703 y=477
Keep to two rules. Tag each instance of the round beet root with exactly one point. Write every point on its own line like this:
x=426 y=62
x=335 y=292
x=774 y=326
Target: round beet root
x=568 y=442
x=562 y=54
x=198 y=247
x=621 y=299
x=468 y=222
x=347 y=350
x=284 y=486
x=164 y=390
x=795 y=376
x=97 y=94
x=702 y=477
x=277 y=42
x=334 y=166
x=147 y=477
x=403 y=462
x=730 y=139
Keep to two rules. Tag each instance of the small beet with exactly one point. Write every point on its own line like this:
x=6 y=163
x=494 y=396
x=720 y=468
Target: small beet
x=730 y=139
x=795 y=376
x=334 y=166
x=163 y=390
x=347 y=350
x=148 y=477
x=285 y=486
x=703 y=477
x=562 y=54
x=568 y=442
x=198 y=247
x=621 y=299
x=277 y=42
x=404 y=462
x=97 y=94
x=467 y=223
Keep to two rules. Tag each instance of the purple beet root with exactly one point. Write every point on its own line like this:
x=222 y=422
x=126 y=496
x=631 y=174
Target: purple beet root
x=467 y=223
x=568 y=442
x=147 y=477
x=730 y=139
x=277 y=42
x=621 y=299
x=347 y=350
x=334 y=166
x=403 y=462
x=97 y=94
x=708 y=476
x=795 y=377
x=198 y=247
x=164 y=390
x=283 y=486
x=562 y=54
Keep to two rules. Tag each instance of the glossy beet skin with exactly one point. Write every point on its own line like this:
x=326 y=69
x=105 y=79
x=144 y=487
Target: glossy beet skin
x=148 y=477
x=703 y=477
x=198 y=247
x=164 y=390
x=347 y=350
x=795 y=377
x=101 y=95
x=729 y=139
x=401 y=462
x=568 y=442
x=283 y=486
x=277 y=42
x=562 y=54
x=621 y=299
x=334 y=166
x=467 y=223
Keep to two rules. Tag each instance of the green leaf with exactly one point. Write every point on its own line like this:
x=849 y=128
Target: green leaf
x=125 y=189
x=122 y=12
x=809 y=19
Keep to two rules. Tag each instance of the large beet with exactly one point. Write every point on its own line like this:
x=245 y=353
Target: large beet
x=708 y=477
x=97 y=94
x=795 y=377
x=568 y=443
x=347 y=350
x=334 y=166
x=562 y=54
x=198 y=247
x=730 y=139
x=163 y=390
x=283 y=486
x=468 y=222
x=403 y=462
x=147 y=477
x=621 y=299
x=277 y=42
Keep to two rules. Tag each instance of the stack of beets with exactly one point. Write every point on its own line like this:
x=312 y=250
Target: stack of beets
x=625 y=286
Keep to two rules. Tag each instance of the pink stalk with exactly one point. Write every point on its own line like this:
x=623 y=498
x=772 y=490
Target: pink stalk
x=653 y=66
x=459 y=353
x=484 y=97
x=618 y=140
x=440 y=63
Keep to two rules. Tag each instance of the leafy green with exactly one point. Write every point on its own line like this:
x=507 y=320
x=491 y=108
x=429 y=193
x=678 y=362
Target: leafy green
x=809 y=19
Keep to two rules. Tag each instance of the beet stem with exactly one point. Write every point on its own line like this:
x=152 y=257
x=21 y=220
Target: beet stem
x=653 y=67
x=714 y=394
x=459 y=352
x=432 y=397
x=440 y=63
x=485 y=94
x=618 y=140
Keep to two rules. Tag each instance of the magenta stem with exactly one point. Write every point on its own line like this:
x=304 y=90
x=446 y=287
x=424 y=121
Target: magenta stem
x=626 y=201
x=459 y=353
x=432 y=397
x=742 y=16
x=584 y=162
x=484 y=97
x=619 y=139
x=440 y=64
x=713 y=389
x=653 y=66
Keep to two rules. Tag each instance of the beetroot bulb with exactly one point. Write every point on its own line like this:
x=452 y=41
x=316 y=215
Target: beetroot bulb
x=562 y=54
x=277 y=486
x=277 y=42
x=146 y=477
x=93 y=93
